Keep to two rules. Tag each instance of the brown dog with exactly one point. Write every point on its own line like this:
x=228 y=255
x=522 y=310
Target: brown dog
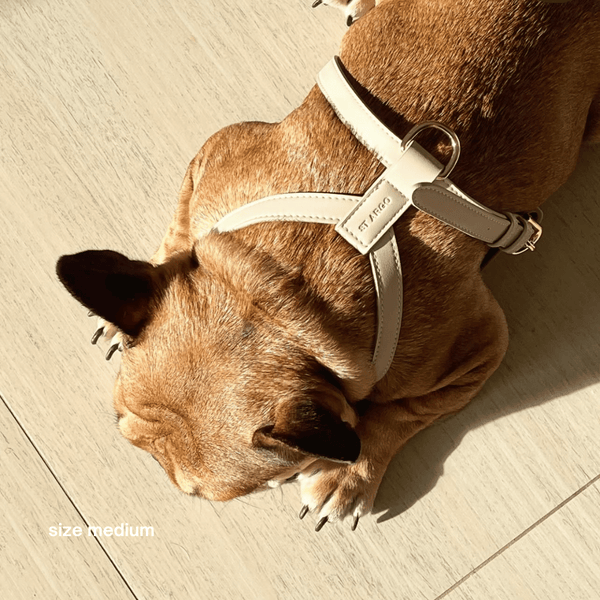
x=248 y=354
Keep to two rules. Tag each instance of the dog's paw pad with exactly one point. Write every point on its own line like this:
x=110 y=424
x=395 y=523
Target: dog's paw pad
x=336 y=492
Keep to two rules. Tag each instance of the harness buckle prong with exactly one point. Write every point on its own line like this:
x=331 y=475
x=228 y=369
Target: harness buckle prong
x=537 y=234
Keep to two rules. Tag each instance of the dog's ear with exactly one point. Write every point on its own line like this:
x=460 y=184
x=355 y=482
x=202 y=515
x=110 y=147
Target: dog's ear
x=111 y=285
x=312 y=428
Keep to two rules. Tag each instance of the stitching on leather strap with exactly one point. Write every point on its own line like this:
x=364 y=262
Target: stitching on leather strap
x=382 y=229
x=373 y=120
x=380 y=309
x=287 y=219
x=398 y=312
x=380 y=345
x=375 y=187
x=450 y=221
x=510 y=232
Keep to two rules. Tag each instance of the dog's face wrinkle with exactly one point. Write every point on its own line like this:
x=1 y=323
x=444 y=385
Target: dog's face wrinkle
x=165 y=448
x=218 y=466
x=205 y=423
x=268 y=285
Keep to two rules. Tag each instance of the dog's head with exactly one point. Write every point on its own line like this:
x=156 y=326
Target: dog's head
x=217 y=379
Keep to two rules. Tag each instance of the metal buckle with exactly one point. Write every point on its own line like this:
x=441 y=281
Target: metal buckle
x=410 y=136
x=533 y=240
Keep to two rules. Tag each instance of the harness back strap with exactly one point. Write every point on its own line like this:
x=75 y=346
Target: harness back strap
x=509 y=232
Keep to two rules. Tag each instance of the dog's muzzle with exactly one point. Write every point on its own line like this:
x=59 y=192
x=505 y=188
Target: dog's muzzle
x=412 y=178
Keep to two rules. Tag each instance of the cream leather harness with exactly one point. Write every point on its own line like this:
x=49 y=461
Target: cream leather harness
x=412 y=178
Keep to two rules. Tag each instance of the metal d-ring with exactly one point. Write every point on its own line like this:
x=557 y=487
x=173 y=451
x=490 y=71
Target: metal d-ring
x=410 y=136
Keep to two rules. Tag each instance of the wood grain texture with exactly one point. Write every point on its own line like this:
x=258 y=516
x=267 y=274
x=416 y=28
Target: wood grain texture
x=534 y=569
x=33 y=563
x=102 y=105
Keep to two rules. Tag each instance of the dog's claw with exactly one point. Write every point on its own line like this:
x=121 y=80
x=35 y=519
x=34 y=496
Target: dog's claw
x=111 y=351
x=316 y=3
x=303 y=512
x=97 y=335
x=355 y=522
x=321 y=523
x=349 y=20
x=90 y=313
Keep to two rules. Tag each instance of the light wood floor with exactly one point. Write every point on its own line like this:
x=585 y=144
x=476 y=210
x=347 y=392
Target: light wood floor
x=102 y=105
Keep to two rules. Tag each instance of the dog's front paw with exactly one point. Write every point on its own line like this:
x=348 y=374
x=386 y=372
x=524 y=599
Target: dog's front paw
x=353 y=9
x=108 y=331
x=337 y=491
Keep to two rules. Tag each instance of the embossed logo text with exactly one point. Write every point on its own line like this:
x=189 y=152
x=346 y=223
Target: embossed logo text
x=374 y=213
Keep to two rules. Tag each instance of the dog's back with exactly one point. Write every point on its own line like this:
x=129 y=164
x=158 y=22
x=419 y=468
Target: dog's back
x=518 y=80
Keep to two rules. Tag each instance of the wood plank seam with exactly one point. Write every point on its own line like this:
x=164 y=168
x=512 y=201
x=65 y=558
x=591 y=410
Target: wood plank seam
x=64 y=491
x=519 y=537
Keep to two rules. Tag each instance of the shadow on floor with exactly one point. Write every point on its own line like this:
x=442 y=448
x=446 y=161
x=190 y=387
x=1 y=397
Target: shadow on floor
x=551 y=300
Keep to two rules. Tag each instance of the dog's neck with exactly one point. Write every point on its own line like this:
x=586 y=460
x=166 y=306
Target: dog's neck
x=482 y=68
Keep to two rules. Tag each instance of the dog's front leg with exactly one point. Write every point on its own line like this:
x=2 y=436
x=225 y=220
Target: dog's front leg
x=335 y=491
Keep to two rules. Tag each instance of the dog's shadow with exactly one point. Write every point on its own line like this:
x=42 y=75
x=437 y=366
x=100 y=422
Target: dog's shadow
x=550 y=298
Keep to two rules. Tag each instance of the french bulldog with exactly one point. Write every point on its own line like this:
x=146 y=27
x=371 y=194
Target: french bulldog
x=247 y=355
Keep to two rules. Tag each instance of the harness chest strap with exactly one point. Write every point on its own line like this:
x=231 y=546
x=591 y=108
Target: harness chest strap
x=412 y=178
x=331 y=209
x=365 y=222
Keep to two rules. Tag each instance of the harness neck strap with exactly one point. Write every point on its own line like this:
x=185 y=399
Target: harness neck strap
x=412 y=178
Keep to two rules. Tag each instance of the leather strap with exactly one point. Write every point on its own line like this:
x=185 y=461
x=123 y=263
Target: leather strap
x=306 y=207
x=355 y=115
x=509 y=232
x=388 y=199
x=412 y=178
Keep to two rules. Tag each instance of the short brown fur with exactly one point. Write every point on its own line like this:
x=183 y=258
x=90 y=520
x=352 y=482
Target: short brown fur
x=251 y=356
